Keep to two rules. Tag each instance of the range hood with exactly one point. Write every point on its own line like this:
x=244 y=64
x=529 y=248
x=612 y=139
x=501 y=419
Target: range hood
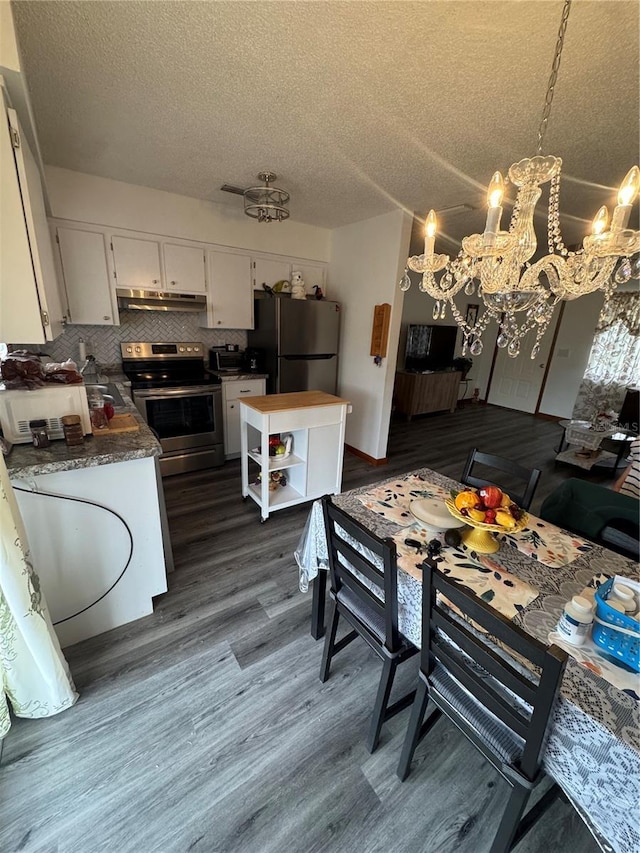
x=158 y=300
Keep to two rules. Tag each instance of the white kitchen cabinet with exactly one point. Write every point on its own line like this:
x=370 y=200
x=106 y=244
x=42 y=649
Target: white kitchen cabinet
x=317 y=422
x=229 y=292
x=137 y=263
x=86 y=277
x=233 y=391
x=80 y=546
x=31 y=309
x=184 y=268
x=268 y=271
x=312 y=275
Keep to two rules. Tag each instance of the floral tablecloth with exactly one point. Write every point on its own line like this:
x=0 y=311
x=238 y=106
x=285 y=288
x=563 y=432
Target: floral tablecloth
x=593 y=750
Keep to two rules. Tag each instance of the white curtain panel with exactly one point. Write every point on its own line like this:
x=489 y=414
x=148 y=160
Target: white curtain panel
x=34 y=675
x=614 y=362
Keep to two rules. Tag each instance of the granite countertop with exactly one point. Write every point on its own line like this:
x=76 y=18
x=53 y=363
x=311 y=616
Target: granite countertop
x=26 y=461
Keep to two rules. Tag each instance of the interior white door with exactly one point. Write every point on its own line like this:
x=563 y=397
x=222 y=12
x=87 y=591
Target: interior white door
x=137 y=263
x=516 y=382
x=83 y=256
x=184 y=268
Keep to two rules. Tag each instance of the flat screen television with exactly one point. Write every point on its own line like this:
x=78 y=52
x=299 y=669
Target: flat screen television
x=430 y=347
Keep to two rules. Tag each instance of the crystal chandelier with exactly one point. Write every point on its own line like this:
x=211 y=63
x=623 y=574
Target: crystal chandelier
x=518 y=294
x=267 y=203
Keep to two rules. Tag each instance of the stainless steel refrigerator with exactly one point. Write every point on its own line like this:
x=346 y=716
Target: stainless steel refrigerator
x=299 y=343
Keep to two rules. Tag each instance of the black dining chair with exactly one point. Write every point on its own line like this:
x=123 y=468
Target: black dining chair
x=500 y=697
x=516 y=474
x=363 y=574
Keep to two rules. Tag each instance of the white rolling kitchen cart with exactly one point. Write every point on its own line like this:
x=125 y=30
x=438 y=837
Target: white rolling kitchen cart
x=316 y=421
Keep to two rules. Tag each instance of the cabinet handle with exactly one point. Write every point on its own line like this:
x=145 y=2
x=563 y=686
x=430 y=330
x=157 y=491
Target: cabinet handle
x=106 y=317
x=246 y=391
x=173 y=282
x=155 y=281
x=231 y=406
x=219 y=322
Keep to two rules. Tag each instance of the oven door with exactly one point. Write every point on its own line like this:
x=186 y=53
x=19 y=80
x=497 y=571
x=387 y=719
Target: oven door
x=183 y=418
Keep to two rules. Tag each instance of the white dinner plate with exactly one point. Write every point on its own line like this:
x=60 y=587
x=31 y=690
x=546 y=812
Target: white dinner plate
x=433 y=513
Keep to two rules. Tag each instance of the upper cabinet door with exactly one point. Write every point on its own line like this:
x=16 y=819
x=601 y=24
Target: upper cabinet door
x=184 y=268
x=230 y=298
x=83 y=257
x=137 y=263
x=269 y=272
x=312 y=275
x=31 y=304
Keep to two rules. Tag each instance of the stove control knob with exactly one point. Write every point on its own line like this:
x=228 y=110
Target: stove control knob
x=181 y=349
x=138 y=349
x=129 y=349
x=188 y=349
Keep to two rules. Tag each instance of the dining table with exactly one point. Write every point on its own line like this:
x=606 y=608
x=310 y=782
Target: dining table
x=593 y=743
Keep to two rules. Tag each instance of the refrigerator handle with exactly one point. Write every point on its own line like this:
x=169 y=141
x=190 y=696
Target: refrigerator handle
x=308 y=357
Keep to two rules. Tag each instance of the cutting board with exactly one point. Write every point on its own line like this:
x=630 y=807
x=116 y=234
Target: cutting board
x=120 y=423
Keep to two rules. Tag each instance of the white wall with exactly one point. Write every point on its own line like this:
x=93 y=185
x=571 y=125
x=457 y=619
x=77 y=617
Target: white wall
x=367 y=259
x=570 y=356
x=101 y=201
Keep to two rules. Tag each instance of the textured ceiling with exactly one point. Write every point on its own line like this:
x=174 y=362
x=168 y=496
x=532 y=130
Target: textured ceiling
x=359 y=107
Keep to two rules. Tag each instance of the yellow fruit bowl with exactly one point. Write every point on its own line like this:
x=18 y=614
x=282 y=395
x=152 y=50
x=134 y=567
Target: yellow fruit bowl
x=479 y=534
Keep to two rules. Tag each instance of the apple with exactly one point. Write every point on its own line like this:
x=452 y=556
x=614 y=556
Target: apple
x=491 y=496
x=490 y=516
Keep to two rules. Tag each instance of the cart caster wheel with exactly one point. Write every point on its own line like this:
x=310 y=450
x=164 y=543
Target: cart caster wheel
x=244 y=499
x=263 y=520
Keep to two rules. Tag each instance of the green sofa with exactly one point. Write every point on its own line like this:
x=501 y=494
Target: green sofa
x=602 y=515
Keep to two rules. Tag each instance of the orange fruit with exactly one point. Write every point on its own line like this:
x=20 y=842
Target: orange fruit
x=466 y=499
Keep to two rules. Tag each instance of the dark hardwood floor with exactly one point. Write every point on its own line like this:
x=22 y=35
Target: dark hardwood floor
x=205 y=727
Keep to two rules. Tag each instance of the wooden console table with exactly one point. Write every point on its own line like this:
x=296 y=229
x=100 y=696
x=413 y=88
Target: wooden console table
x=420 y=393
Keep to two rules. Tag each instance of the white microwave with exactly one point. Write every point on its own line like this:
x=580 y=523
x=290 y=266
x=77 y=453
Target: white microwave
x=50 y=402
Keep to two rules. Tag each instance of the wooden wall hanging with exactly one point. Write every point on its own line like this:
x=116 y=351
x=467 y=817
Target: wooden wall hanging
x=380 y=331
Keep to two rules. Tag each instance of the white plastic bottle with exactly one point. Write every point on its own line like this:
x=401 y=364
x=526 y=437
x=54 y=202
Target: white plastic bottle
x=624 y=595
x=575 y=623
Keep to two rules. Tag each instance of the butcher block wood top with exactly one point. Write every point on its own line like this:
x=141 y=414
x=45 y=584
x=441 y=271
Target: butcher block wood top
x=270 y=403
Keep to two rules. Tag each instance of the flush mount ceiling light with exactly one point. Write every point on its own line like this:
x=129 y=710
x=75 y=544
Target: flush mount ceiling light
x=267 y=203
x=518 y=294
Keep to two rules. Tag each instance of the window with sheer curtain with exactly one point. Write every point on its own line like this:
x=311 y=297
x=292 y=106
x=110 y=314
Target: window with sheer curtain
x=614 y=361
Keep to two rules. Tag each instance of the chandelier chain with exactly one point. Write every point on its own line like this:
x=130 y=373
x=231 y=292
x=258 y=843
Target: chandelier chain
x=546 y=111
x=519 y=293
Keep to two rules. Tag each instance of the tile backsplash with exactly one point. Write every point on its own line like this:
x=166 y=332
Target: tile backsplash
x=104 y=341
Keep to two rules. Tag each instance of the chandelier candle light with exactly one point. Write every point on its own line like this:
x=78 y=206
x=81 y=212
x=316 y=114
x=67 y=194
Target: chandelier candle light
x=517 y=294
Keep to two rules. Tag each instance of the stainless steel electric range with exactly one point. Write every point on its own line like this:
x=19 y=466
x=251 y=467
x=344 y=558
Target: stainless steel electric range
x=180 y=401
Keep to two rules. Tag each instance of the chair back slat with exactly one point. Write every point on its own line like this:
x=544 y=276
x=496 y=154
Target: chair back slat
x=358 y=561
x=478 y=687
x=492 y=621
x=385 y=578
x=443 y=632
x=487 y=658
x=527 y=476
x=353 y=583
